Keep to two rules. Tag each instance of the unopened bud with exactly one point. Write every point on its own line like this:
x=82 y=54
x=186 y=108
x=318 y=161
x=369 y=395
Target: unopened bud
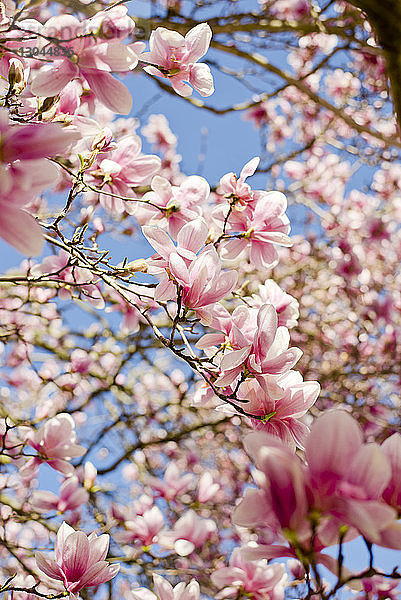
x=16 y=76
x=136 y=266
x=47 y=104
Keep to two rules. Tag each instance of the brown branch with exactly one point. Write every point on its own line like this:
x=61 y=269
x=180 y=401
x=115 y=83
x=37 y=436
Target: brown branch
x=385 y=18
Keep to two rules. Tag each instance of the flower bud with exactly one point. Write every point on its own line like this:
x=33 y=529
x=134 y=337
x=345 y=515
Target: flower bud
x=16 y=76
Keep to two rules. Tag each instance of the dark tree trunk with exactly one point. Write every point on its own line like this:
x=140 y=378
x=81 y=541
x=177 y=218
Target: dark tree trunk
x=385 y=18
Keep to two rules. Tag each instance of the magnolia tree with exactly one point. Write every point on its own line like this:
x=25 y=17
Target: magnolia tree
x=216 y=414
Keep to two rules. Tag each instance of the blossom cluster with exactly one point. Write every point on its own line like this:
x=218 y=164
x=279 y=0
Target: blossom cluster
x=121 y=432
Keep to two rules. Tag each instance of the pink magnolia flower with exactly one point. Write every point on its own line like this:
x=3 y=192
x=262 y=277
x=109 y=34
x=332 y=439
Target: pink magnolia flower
x=173 y=484
x=80 y=361
x=60 y=268
x=256 y=579
x=342 y=482
x=283 y=414
x=158 y=132
x=282 y=500
x=235 y=189
x=112 y=24
x=189 y=532
x=348 y=477
x=292 y=10
x=287 y=307
x=79 y=560
x=91 y=61
x=55 y=444
x=125 y=167
x=144 y=528
x=392 y=449
x=207 y=488
x=261 y=228
x=182 y=203
x=174 y=57
x=24 y=172
x=165 y=591
x=258 y=345
x=200 y=277
x=379 y=588
x=71 y=496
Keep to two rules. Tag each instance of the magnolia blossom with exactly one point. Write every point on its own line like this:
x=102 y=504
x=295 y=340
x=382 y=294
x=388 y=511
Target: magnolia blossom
x=287 y=307
x=79 y=560
x=261 y=228
x=165 y=591
x=282 y=414
x=71 y=496
x=126 y=166
x=24 y=172
x=158 y=132
x=142 y=527
x=91 y=61
x=181 y=204
x=176 y=58
x=173 y=484
x=113 y=23
x=235 y=189
x=207 y=488
x=341 y=484
x=55 y=444
x=257 y=345
x=348 y=477
x=258 y=579
x=200 y=277
x=189 y=532
x=60 y=267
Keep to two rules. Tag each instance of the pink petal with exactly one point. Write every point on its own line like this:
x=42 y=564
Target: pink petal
x=109 y=91
x=142 y=169
x=52 y=79
x=20 y=229
x=253 y=510
x=165 y=290
x=234 y=359
x=234 y=247
x=191 y=592
x=368 y=517
x=210 y=339
x=282 y=363
x=390 y=536
x=334 y=440
x=98 y=573
x=159 y=239
x=142 y=593
x=201 y=79
x=179 y=269
x=163 y=588
x=98 y=548
x=371 y=470
x=197 y=41
x=109 y=56
x=193 y=235
x=225 y=284
x=267 y=328
x=48 y=566
x=183 y=89
x=250 y=168
x=75 y=554
x=227 y=576
x=64 y=531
